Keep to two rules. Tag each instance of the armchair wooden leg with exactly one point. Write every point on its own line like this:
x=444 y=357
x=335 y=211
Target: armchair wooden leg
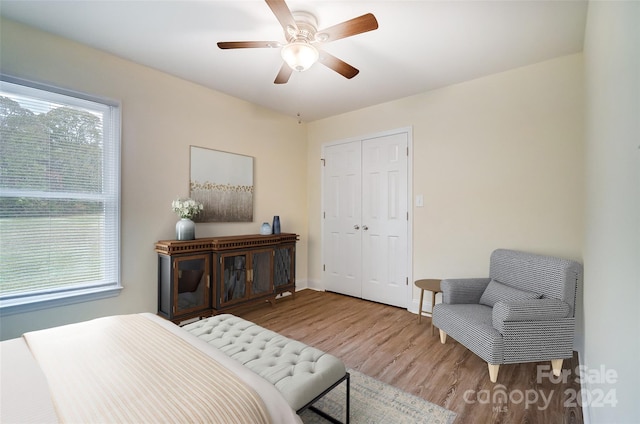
x=493 y=372
x=556 y=366
x=443 y=337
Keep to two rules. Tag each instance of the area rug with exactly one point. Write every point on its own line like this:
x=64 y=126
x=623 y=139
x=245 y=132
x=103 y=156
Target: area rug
x=374 y=402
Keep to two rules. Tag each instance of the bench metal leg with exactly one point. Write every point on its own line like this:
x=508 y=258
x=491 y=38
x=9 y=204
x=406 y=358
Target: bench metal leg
x=347 y=378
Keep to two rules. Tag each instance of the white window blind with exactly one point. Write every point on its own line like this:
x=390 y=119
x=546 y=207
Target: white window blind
x=59 y=196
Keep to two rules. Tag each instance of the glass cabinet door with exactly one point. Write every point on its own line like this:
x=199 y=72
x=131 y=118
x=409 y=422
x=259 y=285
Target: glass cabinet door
x=191 y=284
x=234 y=278
x=261 y=271
x=284 y=272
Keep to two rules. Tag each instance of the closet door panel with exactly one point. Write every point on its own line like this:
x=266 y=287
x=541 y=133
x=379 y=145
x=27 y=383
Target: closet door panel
x=385 y=219
x=342 y=192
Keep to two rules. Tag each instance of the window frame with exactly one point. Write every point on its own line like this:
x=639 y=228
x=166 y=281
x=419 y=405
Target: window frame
x=61 y=296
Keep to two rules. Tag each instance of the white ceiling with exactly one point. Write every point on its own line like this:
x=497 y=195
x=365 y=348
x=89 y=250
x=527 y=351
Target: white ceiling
x=419 y=45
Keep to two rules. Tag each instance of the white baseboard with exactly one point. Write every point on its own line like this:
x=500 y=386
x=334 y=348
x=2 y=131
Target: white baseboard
x=584 y=388
x=315 y=285
x=301 y=284
x=426 y=304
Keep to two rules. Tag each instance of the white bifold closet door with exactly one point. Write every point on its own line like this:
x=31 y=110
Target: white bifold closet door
x=365 y=202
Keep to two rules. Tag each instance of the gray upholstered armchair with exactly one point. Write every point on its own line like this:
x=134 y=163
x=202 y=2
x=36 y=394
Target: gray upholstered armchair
x=523 y=312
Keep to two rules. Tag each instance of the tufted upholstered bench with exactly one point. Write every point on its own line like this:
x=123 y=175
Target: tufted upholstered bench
x=301 y=373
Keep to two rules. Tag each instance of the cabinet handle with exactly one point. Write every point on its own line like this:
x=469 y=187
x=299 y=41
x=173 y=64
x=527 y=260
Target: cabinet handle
x=356 y=227
x=208 y=282
x=364 y=227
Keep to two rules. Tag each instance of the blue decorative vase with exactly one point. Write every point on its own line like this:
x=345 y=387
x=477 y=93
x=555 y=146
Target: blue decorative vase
x=265 y=229
x=276 y=224
x=185 y=229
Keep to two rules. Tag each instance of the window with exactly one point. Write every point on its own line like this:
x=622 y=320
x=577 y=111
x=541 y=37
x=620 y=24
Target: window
x=59 y=197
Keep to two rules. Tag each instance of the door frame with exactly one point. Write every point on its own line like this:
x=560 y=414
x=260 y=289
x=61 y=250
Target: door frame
x=402 y=130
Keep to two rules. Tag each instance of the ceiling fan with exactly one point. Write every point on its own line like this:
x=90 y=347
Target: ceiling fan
x=303 y=39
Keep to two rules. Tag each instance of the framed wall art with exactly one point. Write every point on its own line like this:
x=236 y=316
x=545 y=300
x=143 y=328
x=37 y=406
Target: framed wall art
x=223 y=183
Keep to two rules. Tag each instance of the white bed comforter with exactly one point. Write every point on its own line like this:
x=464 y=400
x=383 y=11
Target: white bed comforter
x=25 y=395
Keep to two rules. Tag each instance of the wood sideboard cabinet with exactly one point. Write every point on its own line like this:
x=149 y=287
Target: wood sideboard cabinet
x=202 y=277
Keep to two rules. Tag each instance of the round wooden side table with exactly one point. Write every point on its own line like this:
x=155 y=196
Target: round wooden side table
x=433 y=285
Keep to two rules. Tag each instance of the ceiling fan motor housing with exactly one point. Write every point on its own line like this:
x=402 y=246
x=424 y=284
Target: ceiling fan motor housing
x=307 y=28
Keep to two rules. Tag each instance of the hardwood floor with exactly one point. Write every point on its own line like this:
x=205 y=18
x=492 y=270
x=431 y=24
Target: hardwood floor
x=387 y=343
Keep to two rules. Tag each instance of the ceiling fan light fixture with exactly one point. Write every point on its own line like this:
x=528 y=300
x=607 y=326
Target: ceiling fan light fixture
x=299 y=55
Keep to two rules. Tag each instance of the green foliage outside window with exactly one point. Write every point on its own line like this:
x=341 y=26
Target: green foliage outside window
x=47 y=166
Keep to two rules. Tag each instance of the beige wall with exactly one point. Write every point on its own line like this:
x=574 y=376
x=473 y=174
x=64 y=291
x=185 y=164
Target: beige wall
x=612 y=222
x=161 y=116
x=499 y=161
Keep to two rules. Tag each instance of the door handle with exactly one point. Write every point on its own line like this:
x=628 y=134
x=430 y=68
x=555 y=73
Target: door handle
x=356 y=227
x=365 y=228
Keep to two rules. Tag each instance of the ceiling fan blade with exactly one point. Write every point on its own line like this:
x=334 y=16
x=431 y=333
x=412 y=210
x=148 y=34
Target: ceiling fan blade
x=248 y=44
x=284 y=74
x=283 y=14
x=351 y=27
x=340 y=66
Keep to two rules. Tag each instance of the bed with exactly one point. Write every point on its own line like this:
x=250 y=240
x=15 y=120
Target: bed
x=137 y=368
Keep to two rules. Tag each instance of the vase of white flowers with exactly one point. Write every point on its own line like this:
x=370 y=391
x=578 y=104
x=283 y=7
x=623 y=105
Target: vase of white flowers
x=186 y=209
